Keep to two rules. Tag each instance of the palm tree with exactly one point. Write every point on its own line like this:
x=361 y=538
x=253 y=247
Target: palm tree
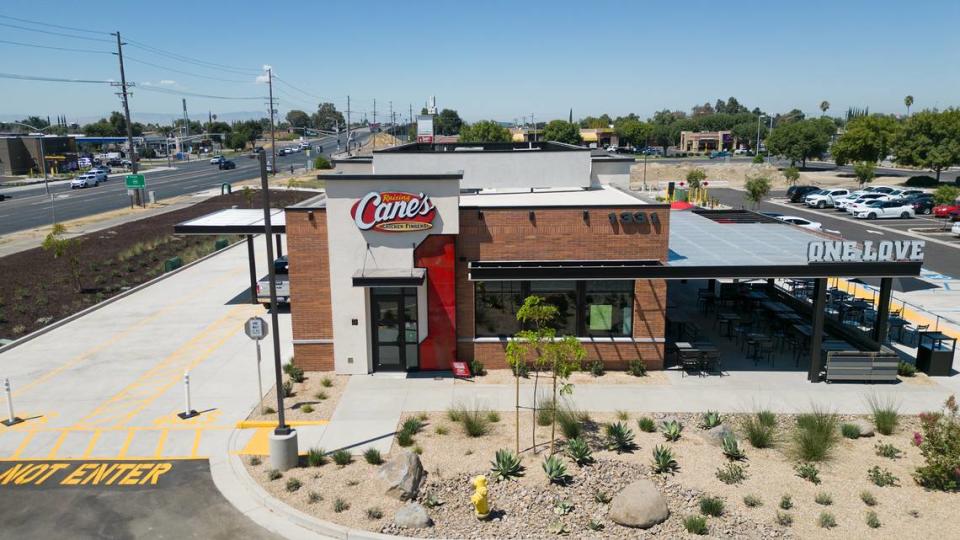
x=908 y=101
x=824 y=105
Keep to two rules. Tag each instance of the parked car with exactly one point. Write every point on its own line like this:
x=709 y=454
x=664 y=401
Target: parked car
x=283 y=151
x=921 y=205
x=85 y=180
x=880 y=189
x=797 y=193
x=216 y=160
x=825 y=198
x=853 y=207
x=840 y=203
x=800 y=222
x=944 y=210
x=719 y=154
x=226 y=165
x=281 y=269
x=115 y=162
x=956 y=229
x=885 y=210
x=102 y=168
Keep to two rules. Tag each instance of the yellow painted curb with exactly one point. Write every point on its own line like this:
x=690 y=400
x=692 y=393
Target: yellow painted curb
x=253 y=424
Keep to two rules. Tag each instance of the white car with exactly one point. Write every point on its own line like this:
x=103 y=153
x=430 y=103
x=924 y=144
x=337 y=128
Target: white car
x=800 y=222
x=857 y=205
x=86 y=180
x=885 y=210
x=215 y=160
x=825 y=197
x=956 y=229
x=880 y=189
x=839 y=203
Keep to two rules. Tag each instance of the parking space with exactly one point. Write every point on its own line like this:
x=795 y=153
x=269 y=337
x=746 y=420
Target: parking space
x=926 y=225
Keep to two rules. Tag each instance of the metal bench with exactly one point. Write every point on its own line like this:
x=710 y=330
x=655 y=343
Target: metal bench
x=873 y=366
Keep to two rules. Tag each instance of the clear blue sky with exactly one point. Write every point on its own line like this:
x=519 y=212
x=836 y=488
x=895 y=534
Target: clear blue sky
x=499 y=59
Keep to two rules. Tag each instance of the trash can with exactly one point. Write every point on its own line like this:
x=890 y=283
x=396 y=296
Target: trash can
x=221 y=243
x=172 y=264
x=935 y=353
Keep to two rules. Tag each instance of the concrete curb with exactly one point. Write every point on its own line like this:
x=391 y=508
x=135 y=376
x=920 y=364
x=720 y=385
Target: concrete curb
x=53 y=326
x=231 y=479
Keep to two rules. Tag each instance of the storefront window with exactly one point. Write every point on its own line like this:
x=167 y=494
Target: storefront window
x=608 y=308
x=563 y=295
x=496 y=308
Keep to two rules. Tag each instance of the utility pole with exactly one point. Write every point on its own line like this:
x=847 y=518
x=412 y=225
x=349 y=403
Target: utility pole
x=348 y=126
x=126 y=106
x=273 y=134
x=391 y=116
x=373 y=136
x=534 y=122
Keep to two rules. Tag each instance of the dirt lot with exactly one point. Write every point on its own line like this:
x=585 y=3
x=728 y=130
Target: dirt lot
x=40 y=288
x=450 y=458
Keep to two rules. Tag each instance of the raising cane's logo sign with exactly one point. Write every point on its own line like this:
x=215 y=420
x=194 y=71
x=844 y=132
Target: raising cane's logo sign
x=393 y=211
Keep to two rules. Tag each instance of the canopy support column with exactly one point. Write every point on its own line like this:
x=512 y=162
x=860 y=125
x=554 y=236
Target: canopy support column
x=816 y=339
x=253 y=269
x=279 y=246
x=883 y=311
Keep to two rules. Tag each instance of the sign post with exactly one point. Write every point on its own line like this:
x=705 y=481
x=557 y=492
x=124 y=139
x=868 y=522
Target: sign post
x=257 y=329
x=137 y=183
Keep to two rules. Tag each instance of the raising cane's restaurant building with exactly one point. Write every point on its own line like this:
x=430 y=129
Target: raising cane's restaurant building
x=420 y=255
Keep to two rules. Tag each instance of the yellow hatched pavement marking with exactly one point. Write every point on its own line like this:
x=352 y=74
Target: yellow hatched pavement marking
x=92 y=444
x=122 y=453
x=23 y=444
x=196 y=442
x=123 y=406
x=57 y=445
x=161 y=442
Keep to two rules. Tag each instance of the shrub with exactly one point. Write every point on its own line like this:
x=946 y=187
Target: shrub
x=475 y=422
x=594 y=525
x=623 y=416
x=710 y=419
x=823 y=498
x=321 y=162
x=269 y=410
x=808 y=471
x=412 y=426
x=455 y=414
x=477 y=369
x=888 y=450
x=316 y=457
x=646 y=424
x=417 y=449
x=340 y=505
x=815 y=435
x=506 y=465
x=711 y=506
x=731 y=448
x=767 y=418
x=872 y=520
x=295 y=373
x=663 y=461
x=579 y=451
x=326 y=382
x=731 y=473
x=274 y=474
x=922 y=180
x=906 y=369
x=441 y=430
x=637 y=368
x=596 y=368
x=757 y=159
x=404 y=438
x=520 y=369
x=868 y=498
x=619 y=437
x=372 y=456
x=342 y=457
x=287 y=388
x=570 y=421
x=784 y=519
x=757 y=432
x=255 y=461
x=293 y=485
x=562 y=507
x=307 y=408
x=493 y=417
x=850 y=431
x=752 y=501
x=671 y=430
x=786 y=502
x=602 y=497
x=374 y=513
x=885 y=415
x=313 y=497
x=545 y=411
x=826 y=520
x=695 y=525
x=882 y=477
x=939 y=443
x=555 y=470
x=321 y=395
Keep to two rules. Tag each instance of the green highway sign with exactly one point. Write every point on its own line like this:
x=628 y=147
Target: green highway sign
x=136 y=181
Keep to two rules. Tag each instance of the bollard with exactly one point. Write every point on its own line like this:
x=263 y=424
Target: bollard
x=188 y=411
x=11 y=418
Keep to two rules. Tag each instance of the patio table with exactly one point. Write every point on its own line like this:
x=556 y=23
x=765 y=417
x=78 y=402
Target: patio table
x=776 y=307
x=726 y=319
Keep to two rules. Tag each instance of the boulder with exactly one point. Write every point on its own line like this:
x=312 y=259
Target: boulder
x=640 y=505
x=716 y=434
x=412 y=516
x=866 y=428
x=402 y=475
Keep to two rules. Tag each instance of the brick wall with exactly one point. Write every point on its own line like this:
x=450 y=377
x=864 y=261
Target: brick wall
x=310 y=289
x=564 y=234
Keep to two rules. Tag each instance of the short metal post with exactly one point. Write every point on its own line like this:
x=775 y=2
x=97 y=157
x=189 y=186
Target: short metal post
x=259 y=381
x=11 y=418
x=188 y=411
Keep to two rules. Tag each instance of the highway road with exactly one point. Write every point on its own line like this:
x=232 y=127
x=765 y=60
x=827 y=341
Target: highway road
x=29 y=206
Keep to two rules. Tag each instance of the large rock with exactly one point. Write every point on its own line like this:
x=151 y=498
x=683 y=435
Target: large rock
x=866 y=428
x=402 y=475
x=412 y=516
x=716 y=434
x=639 y=504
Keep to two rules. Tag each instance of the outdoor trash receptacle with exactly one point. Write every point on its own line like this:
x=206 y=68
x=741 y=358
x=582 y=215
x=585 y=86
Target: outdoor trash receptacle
x=935 y=353
x=221 y=243
x=172 y=264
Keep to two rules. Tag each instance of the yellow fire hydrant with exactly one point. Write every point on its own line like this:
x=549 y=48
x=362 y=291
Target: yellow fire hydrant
x=480 y=501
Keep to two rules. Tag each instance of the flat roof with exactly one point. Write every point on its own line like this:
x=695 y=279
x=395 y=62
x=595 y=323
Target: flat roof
x=482 y=147
x=541 y=197
x=233 y=221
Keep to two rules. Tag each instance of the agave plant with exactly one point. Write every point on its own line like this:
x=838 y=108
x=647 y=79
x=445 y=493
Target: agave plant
x=663 y=461
x=555 y=470
x=506 y=465
x=619 y=437
x=579 y=451
x=710 y=419
x=731 y=448
x=562 y=507
x=671 y=430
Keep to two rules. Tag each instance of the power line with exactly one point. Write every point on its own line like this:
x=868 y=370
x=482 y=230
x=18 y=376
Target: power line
x=192 y=94
x=61 y=34
x=20 y=43
x=50 y=79
x=181 y=58
x=139 y=61
x=28 y=21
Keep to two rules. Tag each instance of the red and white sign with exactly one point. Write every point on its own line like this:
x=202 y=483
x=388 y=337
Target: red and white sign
x=460 y=369
x=394 y=211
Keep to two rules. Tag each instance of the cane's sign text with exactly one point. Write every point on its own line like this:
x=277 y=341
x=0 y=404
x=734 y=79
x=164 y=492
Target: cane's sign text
x=394 y=211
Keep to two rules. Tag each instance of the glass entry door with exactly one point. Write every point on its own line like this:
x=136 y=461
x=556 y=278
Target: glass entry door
x=394 y=314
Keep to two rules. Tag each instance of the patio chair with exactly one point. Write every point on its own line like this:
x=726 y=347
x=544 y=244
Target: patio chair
x=915 y=332
x=712 y=362
x=690 y=360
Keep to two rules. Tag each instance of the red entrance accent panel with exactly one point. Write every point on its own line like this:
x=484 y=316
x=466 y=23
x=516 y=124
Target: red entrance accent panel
x=437 y=254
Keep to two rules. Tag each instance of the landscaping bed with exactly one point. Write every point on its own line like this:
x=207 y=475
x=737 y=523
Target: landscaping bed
x=40 y=288
x=847 y=500
x=314 y=397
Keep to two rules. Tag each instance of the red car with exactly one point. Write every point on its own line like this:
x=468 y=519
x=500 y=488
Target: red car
x=944 y=210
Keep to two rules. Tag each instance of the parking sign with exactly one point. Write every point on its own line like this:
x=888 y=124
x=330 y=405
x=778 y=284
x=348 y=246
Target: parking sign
x=256 y=328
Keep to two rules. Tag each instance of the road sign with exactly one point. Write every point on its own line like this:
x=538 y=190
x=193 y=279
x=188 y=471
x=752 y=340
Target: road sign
x=136 y=181
x=256 y=328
